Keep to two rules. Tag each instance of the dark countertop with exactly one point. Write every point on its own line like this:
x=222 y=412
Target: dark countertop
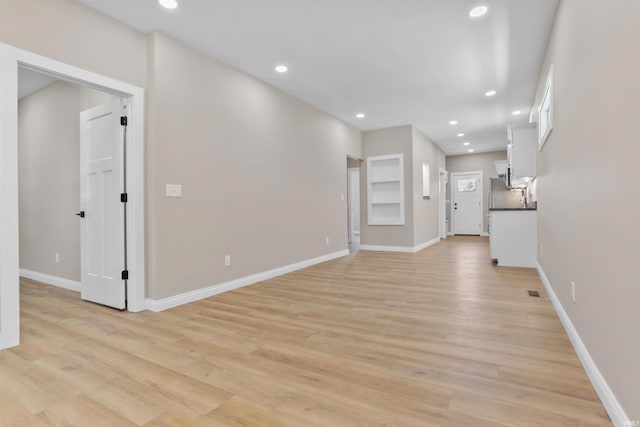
x=513 y=209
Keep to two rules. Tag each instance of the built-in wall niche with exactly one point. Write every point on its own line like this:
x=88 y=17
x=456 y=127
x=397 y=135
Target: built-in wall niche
x=426 y=182
x=385 y=190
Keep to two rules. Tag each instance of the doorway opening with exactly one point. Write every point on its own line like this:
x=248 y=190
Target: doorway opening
x=70 y=173
x=11 y=61
x=442 y=202
x=353 y=204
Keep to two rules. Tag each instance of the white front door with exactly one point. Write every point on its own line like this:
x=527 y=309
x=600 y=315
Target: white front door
x=103 y=223
x=467 y=203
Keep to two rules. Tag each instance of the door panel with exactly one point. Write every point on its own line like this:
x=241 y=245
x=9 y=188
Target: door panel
x=102 y=181
x=467 y=204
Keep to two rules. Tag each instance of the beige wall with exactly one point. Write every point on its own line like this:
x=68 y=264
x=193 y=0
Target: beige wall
x=49 y=177
x=72 y=33
x=484 y=162
x=588 y=207
x=425 y=211
x=353 y=163
x=380 y=142
x=262 y=173
x=421 y=216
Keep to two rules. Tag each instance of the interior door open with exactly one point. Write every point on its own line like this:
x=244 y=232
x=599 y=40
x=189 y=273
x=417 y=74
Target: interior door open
x=467 y=204
x=102 y=138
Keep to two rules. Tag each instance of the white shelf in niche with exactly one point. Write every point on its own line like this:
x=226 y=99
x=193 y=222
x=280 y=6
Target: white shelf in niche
x=385 y=190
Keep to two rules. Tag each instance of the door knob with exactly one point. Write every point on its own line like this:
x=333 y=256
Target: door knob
x=80 y=214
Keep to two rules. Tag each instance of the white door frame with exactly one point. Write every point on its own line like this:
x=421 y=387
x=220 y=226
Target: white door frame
x=451 y=215
x=10 y=59
x=349 y=200
x=442 y=202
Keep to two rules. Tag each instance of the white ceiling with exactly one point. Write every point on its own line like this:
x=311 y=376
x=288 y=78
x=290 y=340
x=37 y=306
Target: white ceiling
x=420 y=62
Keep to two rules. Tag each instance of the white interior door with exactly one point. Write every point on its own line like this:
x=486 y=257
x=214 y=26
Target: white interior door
x=467 y=203
x=103 y=223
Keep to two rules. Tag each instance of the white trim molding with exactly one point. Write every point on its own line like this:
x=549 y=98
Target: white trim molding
x=609 y=400
x=402 y=249
x=484 y=234
x=9 y=258
x=378 y=248
x=60 y=282
x=177 y=300
x=425 y=245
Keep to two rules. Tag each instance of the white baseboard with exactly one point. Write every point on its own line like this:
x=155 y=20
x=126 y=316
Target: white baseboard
x=60 y=282
x=7 y=341
x=403 y=249
x=378 y=248
x=609 y=400
x=449 y=233
x=427 y=244
x=484 y=234
x=174 y=301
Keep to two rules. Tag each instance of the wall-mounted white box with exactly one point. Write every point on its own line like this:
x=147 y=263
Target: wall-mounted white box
x=174 y=190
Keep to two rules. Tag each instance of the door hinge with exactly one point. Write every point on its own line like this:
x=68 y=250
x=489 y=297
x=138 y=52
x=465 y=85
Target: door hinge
x=124 y=197
x=125 y=274
x=123 y=121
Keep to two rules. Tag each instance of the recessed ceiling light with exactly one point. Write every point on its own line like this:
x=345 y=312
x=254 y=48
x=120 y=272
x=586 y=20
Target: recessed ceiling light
x=467 y=143
x=517 y=113
x=460 y=135
x=282 y=68
x=479 y=11
x=490 y=93
x=168 y=4
x=453 y=122
x=471 y=150
x=360 y=115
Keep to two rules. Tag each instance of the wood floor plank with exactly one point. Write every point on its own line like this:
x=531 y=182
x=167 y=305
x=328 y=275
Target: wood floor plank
x=442 y=337
x=14 y=414
x=180 y=417
x=83 y=411
x=508 y=414
x=525 y=397
x=240 y=412
x=131 y=399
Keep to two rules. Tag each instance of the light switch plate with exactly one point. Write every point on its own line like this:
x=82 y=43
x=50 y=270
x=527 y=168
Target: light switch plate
x=174 y=190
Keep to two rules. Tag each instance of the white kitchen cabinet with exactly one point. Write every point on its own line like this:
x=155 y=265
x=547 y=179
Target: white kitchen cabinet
x=523 y=151
x=513 y=238
x=385 y=190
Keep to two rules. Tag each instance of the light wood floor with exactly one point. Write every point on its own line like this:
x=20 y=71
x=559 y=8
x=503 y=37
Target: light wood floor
x=441 y=337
